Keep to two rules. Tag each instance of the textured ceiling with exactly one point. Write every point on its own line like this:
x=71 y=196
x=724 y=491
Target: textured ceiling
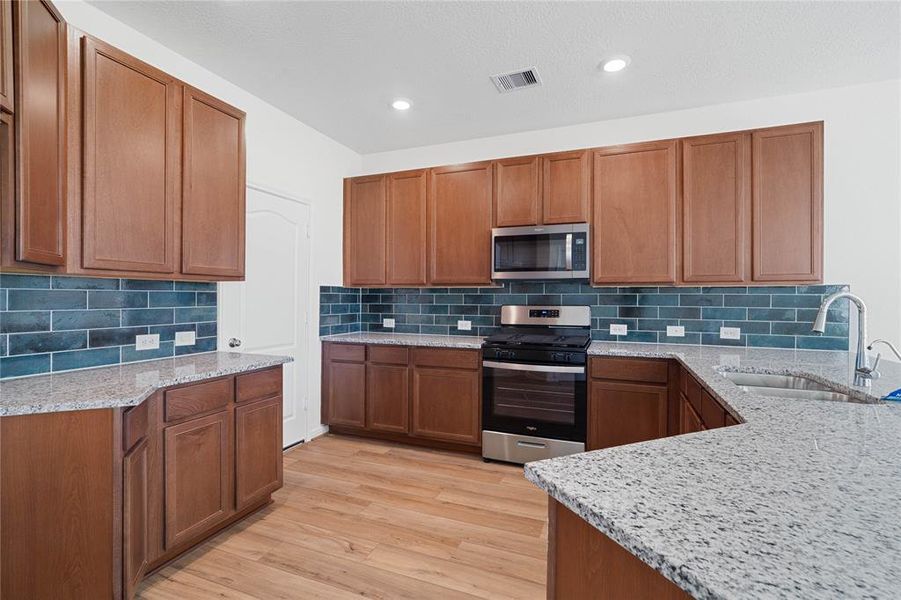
x=336 y=66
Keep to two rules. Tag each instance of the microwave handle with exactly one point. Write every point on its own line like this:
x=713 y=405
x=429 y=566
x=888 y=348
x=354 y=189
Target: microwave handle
x=569 y=252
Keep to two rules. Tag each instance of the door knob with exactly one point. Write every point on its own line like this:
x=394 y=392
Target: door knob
x=234 y=343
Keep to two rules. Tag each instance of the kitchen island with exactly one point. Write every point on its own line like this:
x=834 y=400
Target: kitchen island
x=798 y=501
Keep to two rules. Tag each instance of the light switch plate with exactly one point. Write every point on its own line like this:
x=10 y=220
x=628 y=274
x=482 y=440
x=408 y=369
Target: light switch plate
x=675 y=331
x=185 y=338
x=147 y=342
x=464 y=325
x=730 y=333
x=619 y=330
x=388 y=323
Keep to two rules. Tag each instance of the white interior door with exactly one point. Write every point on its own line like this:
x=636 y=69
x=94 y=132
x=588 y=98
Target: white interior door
x=269 y=311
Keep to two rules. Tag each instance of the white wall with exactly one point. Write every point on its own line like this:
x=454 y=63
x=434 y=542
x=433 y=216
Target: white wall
x=282 y=154
x=862 y=187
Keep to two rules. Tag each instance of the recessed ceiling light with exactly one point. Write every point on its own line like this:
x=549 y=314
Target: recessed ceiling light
x=616 y=63
x=401 y=104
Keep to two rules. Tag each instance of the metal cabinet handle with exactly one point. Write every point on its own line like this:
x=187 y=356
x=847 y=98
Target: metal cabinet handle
x=234 y=343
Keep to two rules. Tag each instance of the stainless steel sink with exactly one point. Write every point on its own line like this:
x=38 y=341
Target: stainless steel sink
x=785 y=386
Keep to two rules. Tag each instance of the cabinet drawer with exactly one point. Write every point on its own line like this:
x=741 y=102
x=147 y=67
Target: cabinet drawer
x=391 y=355
x=134 y=425
x=712 y=413
x=629 y=369
x=198 y=398
x=351 y=352
x=445 y=358
x=258 y=385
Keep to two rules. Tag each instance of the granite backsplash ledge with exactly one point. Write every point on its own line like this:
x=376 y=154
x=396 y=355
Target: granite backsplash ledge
x=58 y=323
x=771 y=316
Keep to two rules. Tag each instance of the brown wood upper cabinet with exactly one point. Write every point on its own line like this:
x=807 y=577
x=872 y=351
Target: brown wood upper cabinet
x=365 y=205
x=517 y=194
x=212 y=227
x=132 y=153
x=542 y=190
x=716 y=208
x=40 y=126
x=635 y=208
x=787 y=203
x=565 y=187
x=407 y=228
x=6 y=55
x=459 y=207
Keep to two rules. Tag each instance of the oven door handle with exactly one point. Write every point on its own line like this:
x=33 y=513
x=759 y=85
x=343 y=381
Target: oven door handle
x=569 y=252
x=539 y=368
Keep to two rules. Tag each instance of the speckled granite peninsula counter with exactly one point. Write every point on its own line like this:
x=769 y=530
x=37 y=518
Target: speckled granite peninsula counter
x=800 y=501
x=122 y=385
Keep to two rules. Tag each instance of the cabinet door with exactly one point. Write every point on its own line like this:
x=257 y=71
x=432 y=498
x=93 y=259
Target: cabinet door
x=258 y=451
x=364 y=230
x=516 y=191
x=447 y=405
x=135 y=516
x=690 y=421
x=6 y=55
x=787 y=203
x=716 y=208
x=566 y=187
x=131 y=156
x=387 y=398
x=625 y=413
x=407 y=228
x=635 y=200
x=460 y=224
x=347 y=394
x=198 y=465
x=212 y=228
x=40 y=133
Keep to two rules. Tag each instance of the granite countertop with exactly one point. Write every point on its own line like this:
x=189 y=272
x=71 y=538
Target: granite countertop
x=406 y=339
x=800 y=501
x=121 y=385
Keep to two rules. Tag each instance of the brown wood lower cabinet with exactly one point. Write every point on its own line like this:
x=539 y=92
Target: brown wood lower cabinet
x=628 y=401
x=446 y=404
x=93 y=500
x=698 y=408
x=135 y=516
x=625 y=413
x=387 y=397
x=585 y=564
x=258 y=451
x=198 y=468
x=430 y=396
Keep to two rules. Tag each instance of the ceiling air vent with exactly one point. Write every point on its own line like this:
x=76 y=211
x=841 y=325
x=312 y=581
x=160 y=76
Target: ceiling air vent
x=516 y=80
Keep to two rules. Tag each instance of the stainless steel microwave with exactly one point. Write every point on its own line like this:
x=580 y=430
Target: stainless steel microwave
x=543 y=252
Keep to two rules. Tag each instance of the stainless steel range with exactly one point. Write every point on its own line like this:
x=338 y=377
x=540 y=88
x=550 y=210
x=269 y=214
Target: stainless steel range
x=534 y=383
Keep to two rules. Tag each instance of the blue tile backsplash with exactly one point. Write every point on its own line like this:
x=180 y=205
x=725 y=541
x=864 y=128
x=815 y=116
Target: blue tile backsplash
x=773 y=316
x=57 y=323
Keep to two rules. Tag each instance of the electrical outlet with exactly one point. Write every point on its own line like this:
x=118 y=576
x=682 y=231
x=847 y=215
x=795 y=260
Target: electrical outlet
x=464 y=325
x=185 y=338
x=675 y=331
x=619 y=330
x=147 y=342
x=730 y=333
x=388 y=323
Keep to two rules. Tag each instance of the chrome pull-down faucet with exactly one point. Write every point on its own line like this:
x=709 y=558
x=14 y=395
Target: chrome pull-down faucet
x=864 y=374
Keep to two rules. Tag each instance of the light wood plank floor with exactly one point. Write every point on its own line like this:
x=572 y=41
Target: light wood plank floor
x=360 y=518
